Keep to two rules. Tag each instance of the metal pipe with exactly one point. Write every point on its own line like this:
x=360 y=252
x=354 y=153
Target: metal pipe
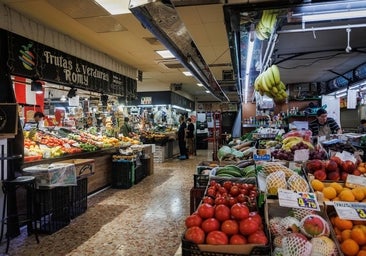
x=321 y=28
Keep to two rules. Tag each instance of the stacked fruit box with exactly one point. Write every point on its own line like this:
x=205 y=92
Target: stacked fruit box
x=227 y=221
x=299 y=232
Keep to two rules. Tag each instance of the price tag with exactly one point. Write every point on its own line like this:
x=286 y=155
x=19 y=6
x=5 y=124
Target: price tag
x=302 y=200
x=301 y=155
x=350 y=211
x=353 y=181
x=262 y=155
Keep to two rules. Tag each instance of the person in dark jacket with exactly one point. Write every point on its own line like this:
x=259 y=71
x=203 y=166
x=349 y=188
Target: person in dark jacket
x=182 y=139
x=362 y=127
x=190 y=136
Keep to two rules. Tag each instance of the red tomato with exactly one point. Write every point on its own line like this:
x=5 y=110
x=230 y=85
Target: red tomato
x=230 y=227
x=258 y=237
x=238 y=239
x=222 y=190
x=232 y=201
x=257 y=217
x=210 y=224
x=195 y=235
x=212 y=183
x=241 y=198
x=211 y=192
x=248 y=226
x=208 y=200
x=217 y=237
x=206 y=210
x=234 y=191
x=228 y=184
x=220 y=200
x=239 y=211
x=222 y=212
x=193 y=220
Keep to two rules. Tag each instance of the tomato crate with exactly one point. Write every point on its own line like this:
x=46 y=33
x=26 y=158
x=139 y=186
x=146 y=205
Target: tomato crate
x=192 y=249
x=196 y=195
x=200 y=180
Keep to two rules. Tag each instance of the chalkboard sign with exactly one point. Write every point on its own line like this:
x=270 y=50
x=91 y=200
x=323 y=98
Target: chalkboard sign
x=8 y=119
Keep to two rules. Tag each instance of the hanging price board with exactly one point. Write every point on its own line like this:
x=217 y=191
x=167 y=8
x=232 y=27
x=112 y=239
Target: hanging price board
x=350 y=211
x=302 y=200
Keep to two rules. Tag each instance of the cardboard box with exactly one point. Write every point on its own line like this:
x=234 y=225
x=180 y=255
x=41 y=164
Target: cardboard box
x=53 y=175
x=84 y=167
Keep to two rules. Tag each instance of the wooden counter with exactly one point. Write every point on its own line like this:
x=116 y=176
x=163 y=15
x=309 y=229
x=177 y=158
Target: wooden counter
x=101 y=177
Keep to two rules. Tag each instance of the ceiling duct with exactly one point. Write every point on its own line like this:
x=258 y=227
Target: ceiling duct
x=162 y=20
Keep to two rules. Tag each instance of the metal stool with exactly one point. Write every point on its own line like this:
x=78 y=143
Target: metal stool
x=29 y=183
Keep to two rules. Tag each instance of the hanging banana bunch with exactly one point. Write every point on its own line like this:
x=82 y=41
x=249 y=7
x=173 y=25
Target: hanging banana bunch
x=269 y=83
x=267 y=24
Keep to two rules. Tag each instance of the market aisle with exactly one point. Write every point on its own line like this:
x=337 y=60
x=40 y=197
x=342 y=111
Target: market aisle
x=147 y=219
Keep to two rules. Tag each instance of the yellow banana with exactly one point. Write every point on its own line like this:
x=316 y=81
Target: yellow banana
x=290 y=139
x=263 y=84
x=268 y=74
x=276 y=73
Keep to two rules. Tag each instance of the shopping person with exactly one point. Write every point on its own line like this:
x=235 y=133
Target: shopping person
x=126 y=129
x=38 y=118
x=324 y=125
x=190 y=136
x=182 y=139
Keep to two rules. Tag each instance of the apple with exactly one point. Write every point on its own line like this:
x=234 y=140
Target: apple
x=356 y=172
x=320 y=175
x=344 y=176
x=348 y=166
x=313 y=165
x=313 y=225
x=335 y=176
x=331 y=166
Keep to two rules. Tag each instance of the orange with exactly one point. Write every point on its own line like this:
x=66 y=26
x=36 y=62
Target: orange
x=338 y=187
x=358 y=235
x=347 y=195
x=361 y=253
x=342 y=224
x=358 y=193
x=362 y=169
x=317 y=185
x=346 y=234
x=329 y=193
x=350 y=247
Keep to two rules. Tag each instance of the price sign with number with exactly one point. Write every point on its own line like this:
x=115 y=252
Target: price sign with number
x=303 y=200
x=350 y=211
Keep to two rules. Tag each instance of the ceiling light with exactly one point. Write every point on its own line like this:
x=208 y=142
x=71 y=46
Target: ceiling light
x=114 y=7
x=342 y=14
x=207 y=91
x=63 y=98
x=72 y=93
x=200 y=85
x=187 y=73
x=247 y=67
x=341 y=95
x=36 y=86
x=166 y=54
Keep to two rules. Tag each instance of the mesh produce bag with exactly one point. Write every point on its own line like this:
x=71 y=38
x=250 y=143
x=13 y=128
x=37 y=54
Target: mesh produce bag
x=297 y=183
x=323 y=246
x=301 y=213
x=270 y=167
x=275 y=227
x=274 y=181
x=296 y=244
x=325 y=230
x=289 y=225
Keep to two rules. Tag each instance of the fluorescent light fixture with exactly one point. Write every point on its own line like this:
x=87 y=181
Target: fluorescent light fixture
x=207 y=91
x=247 y=67
x=166 y=54
x=334 y=16
x=358 y=85
x=114 y=7
x=187 y=73
x=200 y=85
x=341 y=95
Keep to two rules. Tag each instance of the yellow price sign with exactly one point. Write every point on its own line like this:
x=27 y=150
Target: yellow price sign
x=361 y=213
x=306 y=203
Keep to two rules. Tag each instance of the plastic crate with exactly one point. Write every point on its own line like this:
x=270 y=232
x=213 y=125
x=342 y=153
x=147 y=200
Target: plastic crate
x=140 y=173
x=52 y=209
x=200 y=180
x=123 y=174
x=196 y=195
x=79 y=197
x=192 y=249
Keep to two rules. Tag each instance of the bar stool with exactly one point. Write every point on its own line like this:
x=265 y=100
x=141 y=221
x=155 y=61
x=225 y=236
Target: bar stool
x=29 y=183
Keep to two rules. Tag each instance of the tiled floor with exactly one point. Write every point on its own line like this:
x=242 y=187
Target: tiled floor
x=147 y=219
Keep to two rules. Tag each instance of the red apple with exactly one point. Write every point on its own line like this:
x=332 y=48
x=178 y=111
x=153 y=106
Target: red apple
x=348 y=166
x=313 y=225
x=320 y=175
x=331 y=166
x=313 y=165
x=356 y=172
x=344 y=176
x=335 y=176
